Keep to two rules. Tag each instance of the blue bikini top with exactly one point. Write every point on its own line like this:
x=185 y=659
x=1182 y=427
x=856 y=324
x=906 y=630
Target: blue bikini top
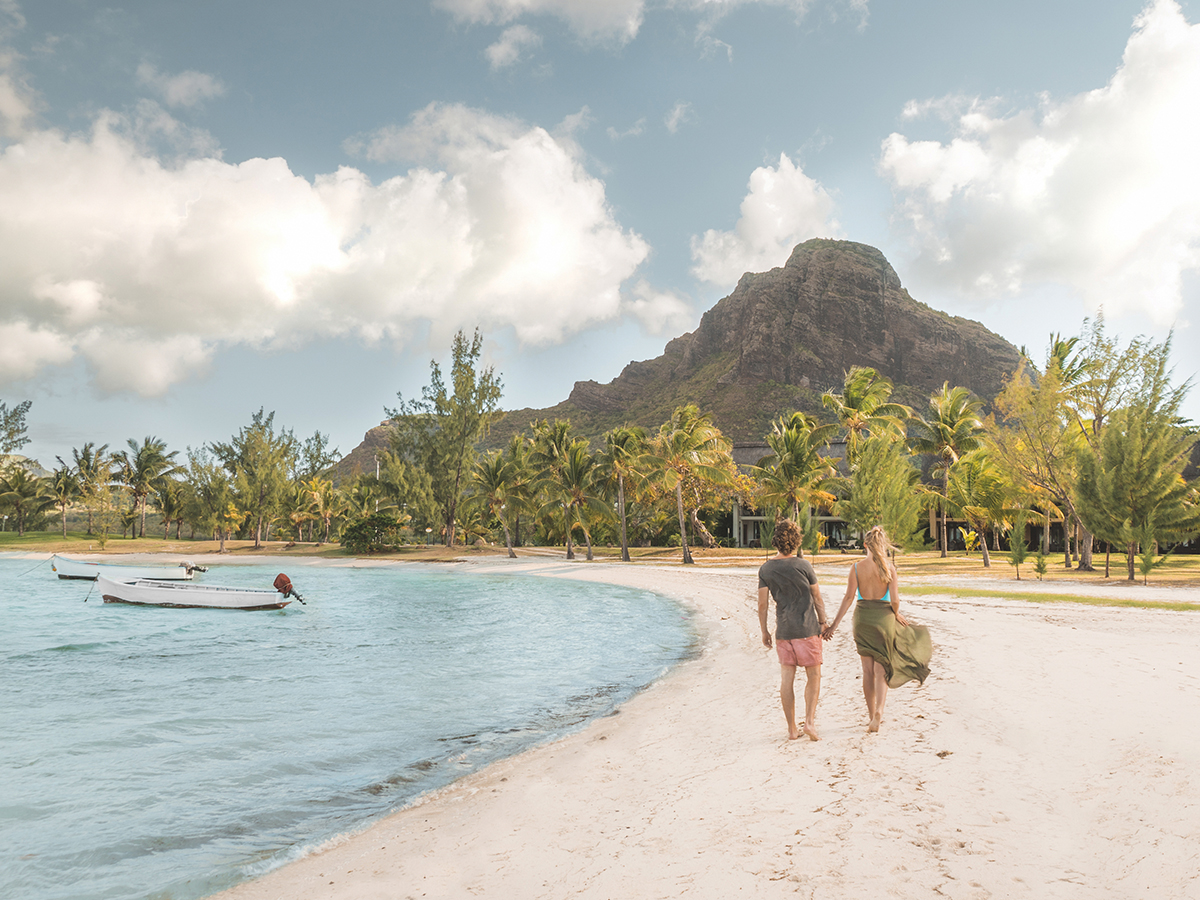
x=858 y=593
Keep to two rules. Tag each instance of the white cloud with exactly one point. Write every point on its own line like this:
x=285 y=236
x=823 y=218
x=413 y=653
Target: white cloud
x=680 y=113
x=515 y=40
x=28 y=349
x=144 y=268
x=660 y=312
x=185 y=89
x=783 y=208
x=607 y=20
x=1099 y=192
x=632 y=131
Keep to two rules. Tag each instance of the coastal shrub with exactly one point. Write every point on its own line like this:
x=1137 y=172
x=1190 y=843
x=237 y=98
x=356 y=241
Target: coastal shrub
x=372 y=534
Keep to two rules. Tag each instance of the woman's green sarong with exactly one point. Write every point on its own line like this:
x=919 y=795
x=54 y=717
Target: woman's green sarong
x=904 y=651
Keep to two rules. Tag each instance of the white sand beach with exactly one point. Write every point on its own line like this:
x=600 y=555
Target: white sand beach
x=1053 y=752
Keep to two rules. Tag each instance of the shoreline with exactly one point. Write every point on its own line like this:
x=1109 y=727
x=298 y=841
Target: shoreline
x=1059 y=770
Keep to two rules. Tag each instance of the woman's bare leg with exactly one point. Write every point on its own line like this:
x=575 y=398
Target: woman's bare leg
x=787 y=697
x=868 y=684
x=812 y=693
x=879 y=677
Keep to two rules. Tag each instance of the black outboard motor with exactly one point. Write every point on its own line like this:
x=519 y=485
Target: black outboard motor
x=192 y=567
x=283 y=584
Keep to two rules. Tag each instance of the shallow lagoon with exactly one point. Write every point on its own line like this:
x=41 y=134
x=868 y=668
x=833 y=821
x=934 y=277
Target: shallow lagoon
x=165 y=753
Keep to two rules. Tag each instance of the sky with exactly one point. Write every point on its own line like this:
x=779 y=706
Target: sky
x=211 y=208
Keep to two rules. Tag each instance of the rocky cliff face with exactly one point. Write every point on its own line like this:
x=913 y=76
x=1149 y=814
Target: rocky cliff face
x=781 y=339
x=785 y=336
x=837 y=304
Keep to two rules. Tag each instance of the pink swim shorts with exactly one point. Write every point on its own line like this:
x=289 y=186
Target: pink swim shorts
x=800 y=651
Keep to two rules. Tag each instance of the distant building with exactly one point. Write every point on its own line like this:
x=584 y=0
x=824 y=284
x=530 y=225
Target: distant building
x=747 y=521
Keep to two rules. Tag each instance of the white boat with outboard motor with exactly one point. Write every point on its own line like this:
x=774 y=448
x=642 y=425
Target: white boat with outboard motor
x=87 y=570
x=189 y=595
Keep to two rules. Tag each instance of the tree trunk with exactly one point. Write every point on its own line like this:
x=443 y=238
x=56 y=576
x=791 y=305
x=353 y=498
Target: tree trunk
x=508 y=539
x=698 y=527
x=944 y=503
x=1046 y=535
x=64 y=519
x=621 y=511
x=933 y=529
x=687 y=554
x=587 y=536
x=1086 y=541
x=142 y=531
x=1130 y=551
x=987 y=560
x=570 y=545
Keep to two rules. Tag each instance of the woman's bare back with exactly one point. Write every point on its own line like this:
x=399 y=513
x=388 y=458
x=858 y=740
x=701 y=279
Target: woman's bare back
x=870 y=585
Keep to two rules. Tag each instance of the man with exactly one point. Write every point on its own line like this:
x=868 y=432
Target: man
x=799 y=621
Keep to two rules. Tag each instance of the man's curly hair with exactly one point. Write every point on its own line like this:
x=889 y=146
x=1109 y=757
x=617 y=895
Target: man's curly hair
x=788 y=536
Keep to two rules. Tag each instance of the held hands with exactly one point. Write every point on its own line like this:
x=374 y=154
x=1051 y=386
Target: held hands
x=827 y=632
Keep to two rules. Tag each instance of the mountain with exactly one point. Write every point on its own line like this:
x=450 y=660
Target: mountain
x=773 y=346
x=781 y=339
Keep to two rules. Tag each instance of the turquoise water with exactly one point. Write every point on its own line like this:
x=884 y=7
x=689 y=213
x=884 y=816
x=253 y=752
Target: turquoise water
x=169 y=753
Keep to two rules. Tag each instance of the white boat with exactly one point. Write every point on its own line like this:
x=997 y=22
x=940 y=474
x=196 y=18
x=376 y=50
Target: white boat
x=86 y=570
x=181 y=594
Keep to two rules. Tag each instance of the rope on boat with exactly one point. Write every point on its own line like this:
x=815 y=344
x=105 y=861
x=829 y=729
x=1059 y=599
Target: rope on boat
x=92 y=588
x=38 y=566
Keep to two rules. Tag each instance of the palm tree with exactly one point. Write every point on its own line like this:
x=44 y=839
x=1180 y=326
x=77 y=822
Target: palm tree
x=952 y=430
x=522 y=481
x=493 y=477
x=64 y=485
x=622 y=446
x=976 y=490
x=688 y=448
x=551 y=443
x=145 y=469
x=172 y=505
x=795 y=474
x=93 y=466
x=26 y=494
x=864 y=409
x=581 y=489
x=323 y=500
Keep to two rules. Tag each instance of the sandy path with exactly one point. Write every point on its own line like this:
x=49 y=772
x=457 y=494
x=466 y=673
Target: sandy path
x=1055 y=752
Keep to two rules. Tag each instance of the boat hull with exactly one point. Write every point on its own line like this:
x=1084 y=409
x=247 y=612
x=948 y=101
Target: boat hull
x=81 y=570
x=177 y=595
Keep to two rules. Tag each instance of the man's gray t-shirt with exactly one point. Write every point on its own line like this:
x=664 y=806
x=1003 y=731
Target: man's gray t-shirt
x=788 y=580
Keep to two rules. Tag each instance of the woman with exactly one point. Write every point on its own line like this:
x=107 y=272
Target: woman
x=799 y=619
x=892 y=651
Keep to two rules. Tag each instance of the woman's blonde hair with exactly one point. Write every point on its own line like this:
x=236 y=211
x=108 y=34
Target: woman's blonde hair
x=788 y=537
x=878 y=546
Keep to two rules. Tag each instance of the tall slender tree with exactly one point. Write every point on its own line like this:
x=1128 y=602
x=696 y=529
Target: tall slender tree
x=64 y=485
x=493 y=481
x=622 y=447
x=12 y=426
x=796 y=474
x=259 y=459
x=952 y=428
x=688 y=451
x=1130 y=489
x=439 y=431
x=144 y=468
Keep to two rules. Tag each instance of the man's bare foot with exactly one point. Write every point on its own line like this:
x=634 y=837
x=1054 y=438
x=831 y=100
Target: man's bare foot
x=795 y=735
x=874 y=725
x=811 y=731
